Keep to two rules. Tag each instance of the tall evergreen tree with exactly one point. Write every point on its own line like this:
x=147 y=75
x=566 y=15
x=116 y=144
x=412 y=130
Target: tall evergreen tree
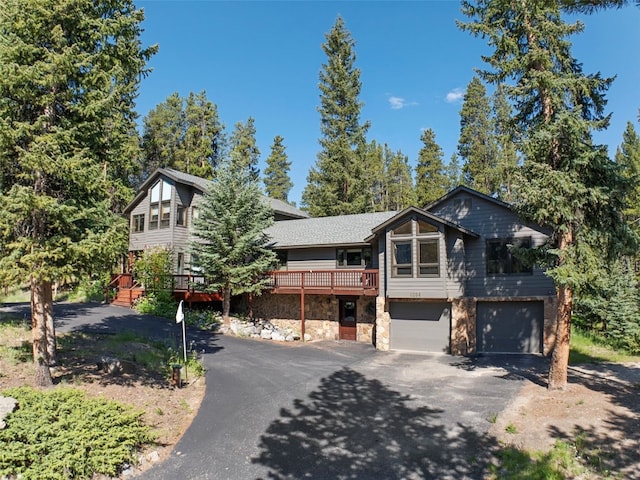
x=400 y=192
x=69 y=73
x=184 y=134
x=506 y=155
x=229 y=234
x=476 y=146
x=374 y=176
x=431 y=180
x=243 y=149
x=567 y=184
x=335 y=184
x=628 y=156
x=453 y=173
x=276 y=176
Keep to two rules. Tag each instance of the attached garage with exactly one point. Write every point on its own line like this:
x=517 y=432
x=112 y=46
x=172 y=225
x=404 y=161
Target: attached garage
x=509 y=327
x=420 y=326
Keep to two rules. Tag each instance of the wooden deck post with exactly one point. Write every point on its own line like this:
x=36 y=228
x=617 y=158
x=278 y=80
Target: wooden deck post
x=302 y=308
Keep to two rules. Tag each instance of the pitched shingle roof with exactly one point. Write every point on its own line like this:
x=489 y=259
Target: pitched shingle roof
x=202 y=184
x=323 y=231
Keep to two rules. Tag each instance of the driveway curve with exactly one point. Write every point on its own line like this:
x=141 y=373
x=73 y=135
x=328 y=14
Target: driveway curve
x=328 y=410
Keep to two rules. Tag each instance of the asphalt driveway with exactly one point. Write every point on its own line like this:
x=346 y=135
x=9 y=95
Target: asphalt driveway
x=328 y=410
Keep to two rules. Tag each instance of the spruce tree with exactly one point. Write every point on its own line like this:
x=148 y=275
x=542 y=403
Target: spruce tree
x=400 y=192
x=276 y=176
x=453 y=173
x=230 y=242
x=69 y=73
x=243 y=149
x=337 y=184
x=431 y=180
x=184 y=134
x=506 y=155
x=567 y=183
x=628 y=156
x=374 y=177
x=476 y=146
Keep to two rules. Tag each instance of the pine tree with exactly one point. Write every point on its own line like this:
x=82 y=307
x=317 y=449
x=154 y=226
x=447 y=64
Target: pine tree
x=431 y=180
x=183 y=134
x=506 y=156
x=276 y=176
x=453 y=173
x=336 y=184
x=244 y=152
x=400 y=192
x=69 y=73
x=374 y=177
x=567 y=184
x=230 y=241
x=476 y=146
x=628 y=156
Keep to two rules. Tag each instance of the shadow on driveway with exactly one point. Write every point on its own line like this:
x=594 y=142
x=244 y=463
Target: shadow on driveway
x=353 y=427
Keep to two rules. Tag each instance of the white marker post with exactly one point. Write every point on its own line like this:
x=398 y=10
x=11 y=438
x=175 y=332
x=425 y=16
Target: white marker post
x=180 y=319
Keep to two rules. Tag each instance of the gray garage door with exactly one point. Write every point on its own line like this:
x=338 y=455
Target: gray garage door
x=420 y=326
x=510 y=327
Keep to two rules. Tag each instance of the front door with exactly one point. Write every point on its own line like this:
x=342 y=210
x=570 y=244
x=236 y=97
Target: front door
x=347 y=320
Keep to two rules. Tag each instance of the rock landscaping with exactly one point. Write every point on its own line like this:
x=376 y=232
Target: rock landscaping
x=259 y=328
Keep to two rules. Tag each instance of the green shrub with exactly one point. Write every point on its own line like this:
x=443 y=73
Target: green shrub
x=203 y=319
x=63 y=434
x=160 y=303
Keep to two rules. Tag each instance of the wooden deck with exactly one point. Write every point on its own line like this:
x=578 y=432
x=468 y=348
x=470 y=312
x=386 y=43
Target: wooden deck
x=124 y=289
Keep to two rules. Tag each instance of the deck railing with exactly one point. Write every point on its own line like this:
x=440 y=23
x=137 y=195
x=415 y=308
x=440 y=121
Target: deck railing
x=281 y=281
x=332 y=280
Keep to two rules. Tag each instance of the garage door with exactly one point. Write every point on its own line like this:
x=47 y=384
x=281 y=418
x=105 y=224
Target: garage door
x=510 y=327
x=420 y=326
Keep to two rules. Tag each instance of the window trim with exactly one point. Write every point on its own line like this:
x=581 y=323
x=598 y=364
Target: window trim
x=424 y=241
x=415 y=240
x=181 y=216
x=394 y=263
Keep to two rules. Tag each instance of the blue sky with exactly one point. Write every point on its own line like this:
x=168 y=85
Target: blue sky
x=262 y=59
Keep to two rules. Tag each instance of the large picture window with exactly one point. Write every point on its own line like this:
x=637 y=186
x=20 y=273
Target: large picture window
x=420 y=237
x=502 y=261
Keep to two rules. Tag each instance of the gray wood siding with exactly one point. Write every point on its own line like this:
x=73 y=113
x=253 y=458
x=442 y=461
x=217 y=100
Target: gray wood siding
x=456 y=272
x=312 y=259
x=491 y=220
x=416 y=287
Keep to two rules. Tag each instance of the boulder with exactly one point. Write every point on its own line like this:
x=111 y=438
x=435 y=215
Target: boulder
x=278 y=336
x=115 y=366
x=266 y=334
x=7 y=405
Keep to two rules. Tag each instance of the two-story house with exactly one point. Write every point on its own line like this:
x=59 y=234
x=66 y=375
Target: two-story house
x=442 y=278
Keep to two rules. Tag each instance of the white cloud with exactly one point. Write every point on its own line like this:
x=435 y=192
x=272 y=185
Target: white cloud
x=455 y=95
x=398 y=103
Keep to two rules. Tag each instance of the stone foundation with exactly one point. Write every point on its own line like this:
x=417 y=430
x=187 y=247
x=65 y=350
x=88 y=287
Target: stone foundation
x=321 y=314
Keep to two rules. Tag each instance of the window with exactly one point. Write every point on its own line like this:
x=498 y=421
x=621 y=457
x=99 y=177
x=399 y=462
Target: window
x=502 y=261
x=354 y=257
x=428 y=262
x=419 y=254
x=160 y=209
x=137 y=223
x=402 y=230
x=402 y=261
x=166 y=214
x=181 y=216
x=154 y=214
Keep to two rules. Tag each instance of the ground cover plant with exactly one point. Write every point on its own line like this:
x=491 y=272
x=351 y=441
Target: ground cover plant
x=63 y=434
x=90 y=426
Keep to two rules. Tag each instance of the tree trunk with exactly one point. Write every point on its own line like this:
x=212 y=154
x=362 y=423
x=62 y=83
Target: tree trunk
x=560 y=357
x=51 y=329
x=39 y=335
x=226 y=304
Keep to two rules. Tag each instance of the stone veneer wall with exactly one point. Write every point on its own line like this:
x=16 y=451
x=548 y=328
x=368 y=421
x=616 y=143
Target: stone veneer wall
x=320 y=312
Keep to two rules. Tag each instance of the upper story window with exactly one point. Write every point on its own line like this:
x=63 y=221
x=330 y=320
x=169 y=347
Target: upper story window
x=160 y=208
x=417 y=252
x=502 y=261
x=137 y=223
x=354 y=257
x=181 y=216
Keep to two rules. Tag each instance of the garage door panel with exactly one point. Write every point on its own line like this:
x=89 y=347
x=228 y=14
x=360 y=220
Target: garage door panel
x=420 y=327
x=510 y=327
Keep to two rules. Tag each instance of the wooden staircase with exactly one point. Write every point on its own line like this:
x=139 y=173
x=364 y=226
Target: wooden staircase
x=126 y=290
x=126 y=296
